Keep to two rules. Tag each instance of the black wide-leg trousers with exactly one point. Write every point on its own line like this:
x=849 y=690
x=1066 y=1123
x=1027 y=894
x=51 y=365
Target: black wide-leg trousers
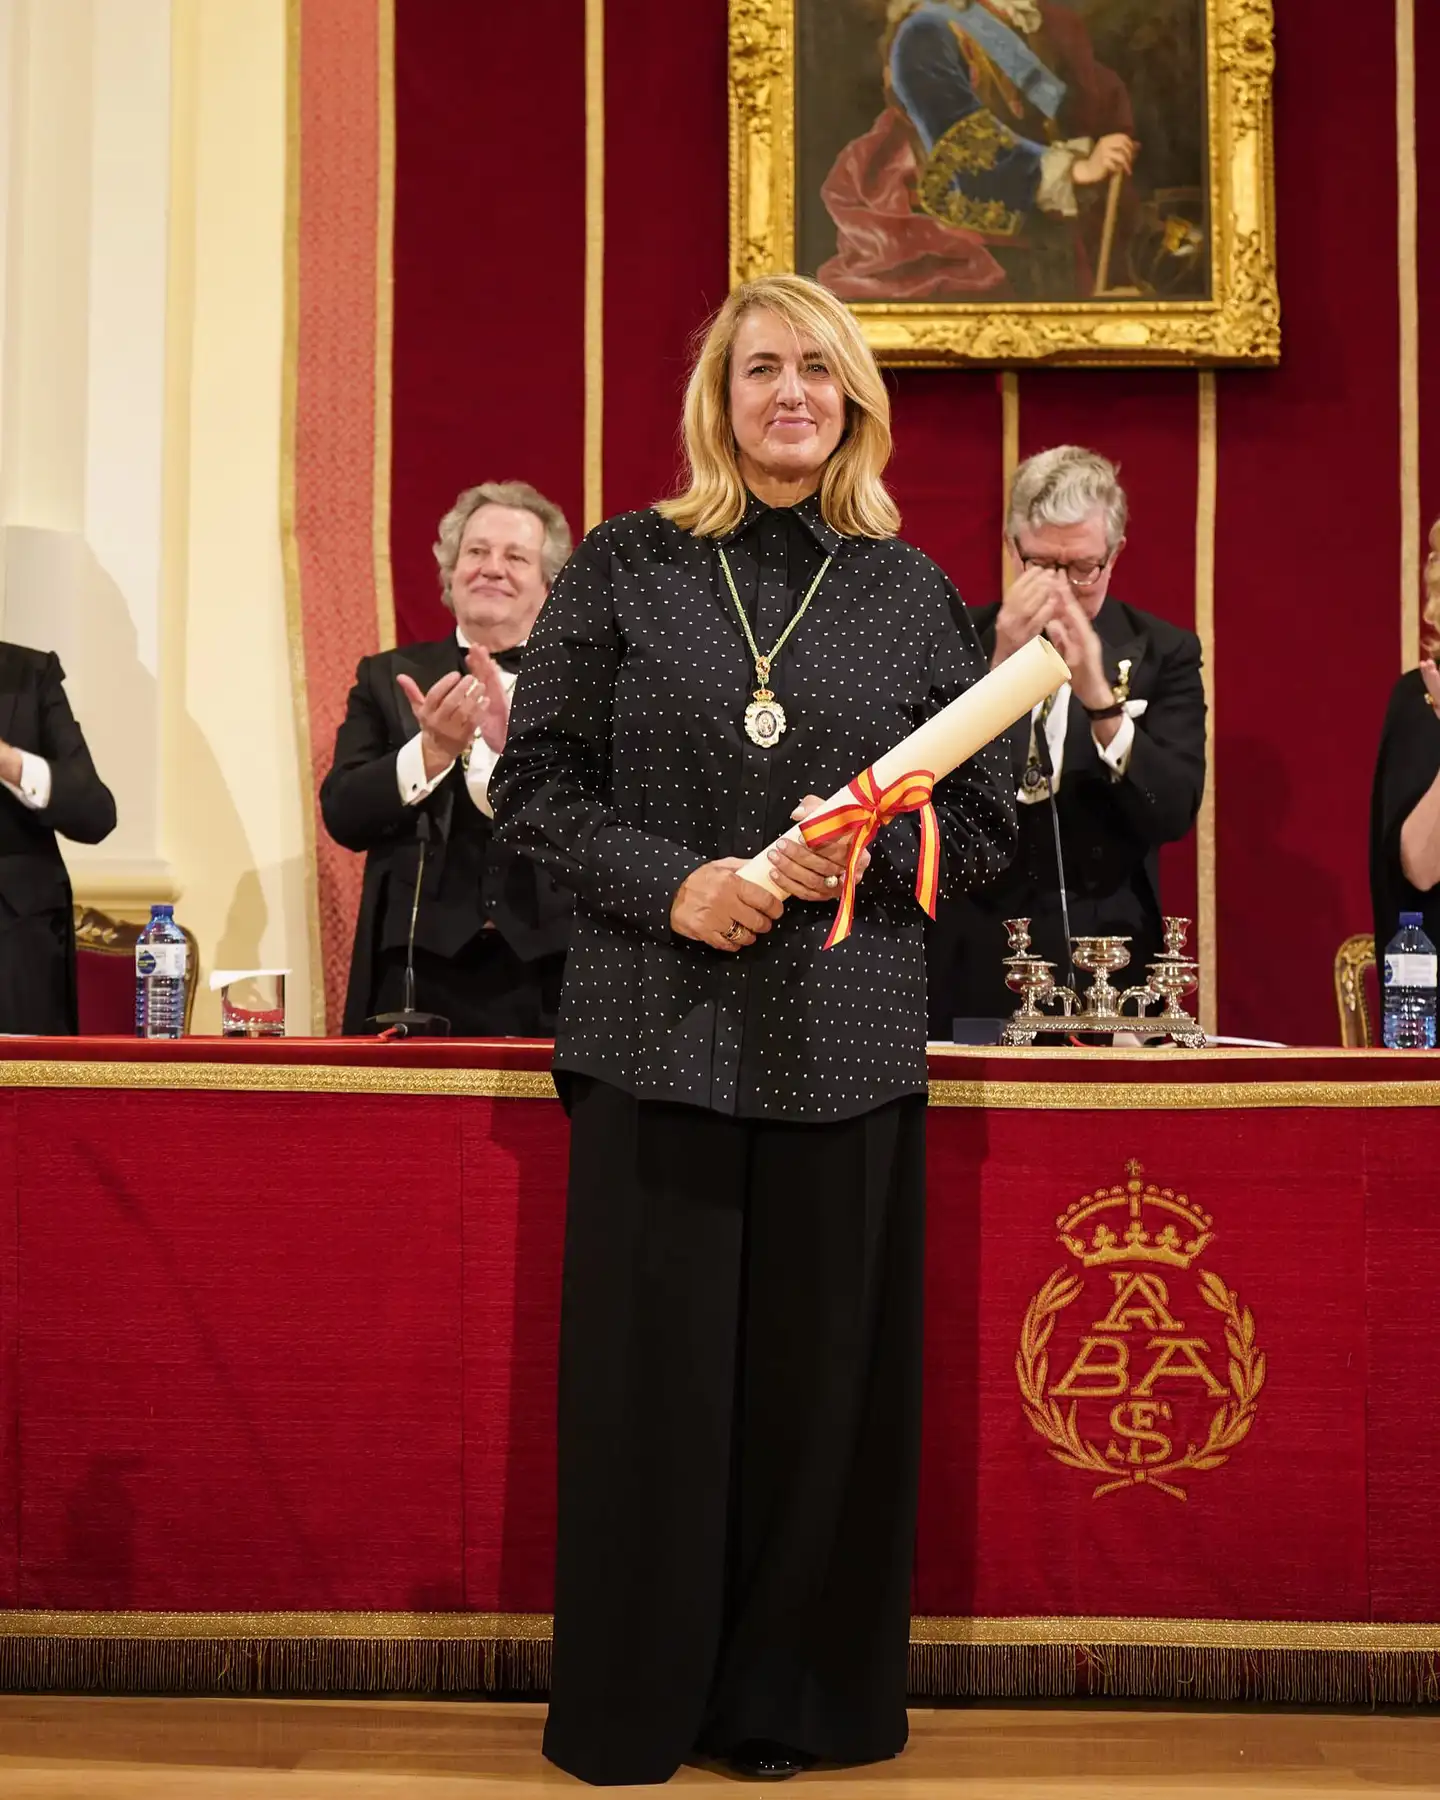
x=739 y=1435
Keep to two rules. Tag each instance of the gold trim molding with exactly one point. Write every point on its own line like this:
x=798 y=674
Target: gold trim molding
x=1240 y=324
x=384 y=321
x=289 y=505
x=267 y=1078
x=467 y=1627
x=1408 y=228
x=534 y=1084
x=1181 y=1096
x=455 y=1627
x=594 y=405
x=1177 y=1634
x=1207 y=457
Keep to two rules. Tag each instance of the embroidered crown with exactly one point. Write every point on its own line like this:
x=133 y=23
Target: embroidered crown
x=1135 y=1222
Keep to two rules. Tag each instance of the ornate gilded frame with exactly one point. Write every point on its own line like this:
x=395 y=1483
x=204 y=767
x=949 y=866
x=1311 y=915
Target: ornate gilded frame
x=1239 y=324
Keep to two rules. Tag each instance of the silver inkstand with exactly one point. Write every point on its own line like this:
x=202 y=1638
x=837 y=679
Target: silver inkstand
x=1101 y=1010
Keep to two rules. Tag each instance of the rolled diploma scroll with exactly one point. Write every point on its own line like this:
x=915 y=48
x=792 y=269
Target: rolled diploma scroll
x=956 y=732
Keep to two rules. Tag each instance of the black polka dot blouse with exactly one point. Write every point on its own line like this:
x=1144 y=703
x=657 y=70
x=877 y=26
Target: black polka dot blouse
x=627 y=766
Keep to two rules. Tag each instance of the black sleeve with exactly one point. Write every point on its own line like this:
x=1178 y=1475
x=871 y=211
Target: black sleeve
x=81 y=807
x=360 y=797
x=1405 y=768
x=1160 y=792
x=975 y=806
x=550 y=787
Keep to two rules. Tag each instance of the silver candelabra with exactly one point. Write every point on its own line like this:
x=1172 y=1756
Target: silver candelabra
x=1101 y=1009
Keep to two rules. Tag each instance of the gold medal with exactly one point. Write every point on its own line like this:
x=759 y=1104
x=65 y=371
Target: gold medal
x=765 y=717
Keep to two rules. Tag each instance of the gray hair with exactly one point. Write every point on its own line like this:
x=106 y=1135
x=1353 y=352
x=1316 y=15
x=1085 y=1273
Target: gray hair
x=554 y=550
x=1063 y=487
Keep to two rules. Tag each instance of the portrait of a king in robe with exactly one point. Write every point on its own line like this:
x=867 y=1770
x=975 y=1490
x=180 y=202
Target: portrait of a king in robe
x=1003 y=152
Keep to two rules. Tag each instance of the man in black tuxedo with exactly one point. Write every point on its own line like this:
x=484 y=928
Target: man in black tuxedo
x=48 y=784
x=422 y=733
x=1123 y=745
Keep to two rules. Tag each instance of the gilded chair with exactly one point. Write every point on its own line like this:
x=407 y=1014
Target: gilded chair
x=1353 y=960
x=105 y=973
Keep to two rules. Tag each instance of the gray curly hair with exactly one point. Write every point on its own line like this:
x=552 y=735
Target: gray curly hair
x=554 y=550
x=1063 y=487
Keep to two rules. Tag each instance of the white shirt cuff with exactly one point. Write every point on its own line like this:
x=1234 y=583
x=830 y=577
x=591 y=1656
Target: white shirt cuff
x=34 y=788
x=415 y=784
x=1116 y=754
x=1056 y=193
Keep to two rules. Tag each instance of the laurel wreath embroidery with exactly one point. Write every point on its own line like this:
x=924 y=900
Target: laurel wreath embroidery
x=1060 y=1427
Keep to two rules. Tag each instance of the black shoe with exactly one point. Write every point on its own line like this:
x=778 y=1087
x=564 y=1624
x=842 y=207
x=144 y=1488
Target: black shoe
x=760 y=1760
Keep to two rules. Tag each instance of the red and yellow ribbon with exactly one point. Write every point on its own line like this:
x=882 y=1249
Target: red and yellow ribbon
x=864 y=814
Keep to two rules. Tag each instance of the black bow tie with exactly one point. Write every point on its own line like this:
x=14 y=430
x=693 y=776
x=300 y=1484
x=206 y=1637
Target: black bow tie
x=508 y=661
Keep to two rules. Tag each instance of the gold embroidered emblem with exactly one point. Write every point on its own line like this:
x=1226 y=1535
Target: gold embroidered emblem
x=972 y=147
x=1137 y=1400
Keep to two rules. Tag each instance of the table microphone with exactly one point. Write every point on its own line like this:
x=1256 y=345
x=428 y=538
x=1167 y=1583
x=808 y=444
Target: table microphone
x=1047 y=768
x=407 y=1022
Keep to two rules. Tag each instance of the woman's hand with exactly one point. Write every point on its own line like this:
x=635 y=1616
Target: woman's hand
x=807 y=874
x=713 y=906
x=1430 y=675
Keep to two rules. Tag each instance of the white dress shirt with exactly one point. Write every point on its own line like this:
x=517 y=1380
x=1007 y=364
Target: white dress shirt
x=416 y=785
x=1115 y=755
x=34 y=788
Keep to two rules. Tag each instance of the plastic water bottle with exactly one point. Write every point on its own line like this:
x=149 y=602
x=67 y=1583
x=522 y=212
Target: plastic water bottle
x=1409 y=987
x=160 y=957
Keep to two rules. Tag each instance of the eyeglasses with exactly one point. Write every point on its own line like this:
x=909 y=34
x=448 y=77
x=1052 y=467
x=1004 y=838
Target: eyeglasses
x=1078 y=574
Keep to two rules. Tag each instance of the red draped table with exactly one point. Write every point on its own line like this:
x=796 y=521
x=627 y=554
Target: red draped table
x=278 y=1342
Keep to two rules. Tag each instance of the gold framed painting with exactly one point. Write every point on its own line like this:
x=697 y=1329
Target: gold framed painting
x=1014 y=182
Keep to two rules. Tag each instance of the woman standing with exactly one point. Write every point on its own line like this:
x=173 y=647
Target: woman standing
x=1405 y=803
x=741 y=1324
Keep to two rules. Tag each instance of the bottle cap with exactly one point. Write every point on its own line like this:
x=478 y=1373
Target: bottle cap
x=1411 y=918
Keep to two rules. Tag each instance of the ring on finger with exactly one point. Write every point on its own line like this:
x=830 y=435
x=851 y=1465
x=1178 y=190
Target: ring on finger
x=736 y=933
x=832 y=881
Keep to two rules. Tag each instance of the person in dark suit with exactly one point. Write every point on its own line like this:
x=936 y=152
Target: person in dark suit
x=1122 y=745
x=49 y=786
x=422 y=732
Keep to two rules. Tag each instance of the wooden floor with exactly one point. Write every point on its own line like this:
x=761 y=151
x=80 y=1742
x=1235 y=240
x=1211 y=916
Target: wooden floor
x=352 y=1750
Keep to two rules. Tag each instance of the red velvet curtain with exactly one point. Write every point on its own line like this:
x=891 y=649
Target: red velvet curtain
x=490 y=234
x=489 y=269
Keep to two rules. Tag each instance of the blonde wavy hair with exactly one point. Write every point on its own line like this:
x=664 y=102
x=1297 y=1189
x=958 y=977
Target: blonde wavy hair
x=853 y=495
x=1432 y=592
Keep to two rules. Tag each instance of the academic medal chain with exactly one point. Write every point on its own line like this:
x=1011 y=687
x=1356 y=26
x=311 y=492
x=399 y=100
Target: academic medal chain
x=765 y=716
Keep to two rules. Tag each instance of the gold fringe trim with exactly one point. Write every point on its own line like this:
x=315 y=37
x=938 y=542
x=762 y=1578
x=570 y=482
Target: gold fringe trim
x=331 y=1666
x=1149 y=1672
x=1288 y=1677
x=993 y=1671
x=254 y=1666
